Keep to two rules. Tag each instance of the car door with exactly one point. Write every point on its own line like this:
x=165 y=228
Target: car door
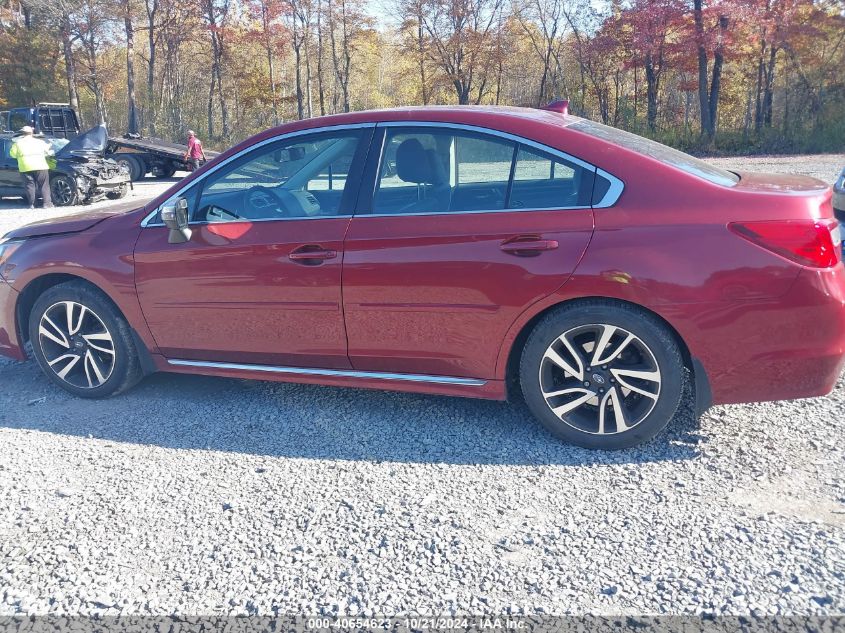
x=10 y=179
x=461 y=232
x=259 y=280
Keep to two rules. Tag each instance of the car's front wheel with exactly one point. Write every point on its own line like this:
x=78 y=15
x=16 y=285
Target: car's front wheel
x=82 y=342
x=602 y=375
x=64 y=191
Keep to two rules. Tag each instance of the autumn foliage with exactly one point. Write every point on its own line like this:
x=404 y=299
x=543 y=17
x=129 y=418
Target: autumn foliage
x=723 y=75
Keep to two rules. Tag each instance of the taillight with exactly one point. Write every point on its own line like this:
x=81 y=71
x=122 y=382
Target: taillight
x=816 y=243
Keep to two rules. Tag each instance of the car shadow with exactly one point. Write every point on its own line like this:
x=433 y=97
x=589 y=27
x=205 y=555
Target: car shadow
x=312 y=422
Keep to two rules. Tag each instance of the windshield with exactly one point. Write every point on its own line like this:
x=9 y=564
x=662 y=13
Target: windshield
x=658 y=151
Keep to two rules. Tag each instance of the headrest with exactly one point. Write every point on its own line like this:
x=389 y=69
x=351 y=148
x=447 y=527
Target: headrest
x=415 y=164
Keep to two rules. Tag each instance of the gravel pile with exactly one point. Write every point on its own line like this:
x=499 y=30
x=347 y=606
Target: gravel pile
x=192 y=495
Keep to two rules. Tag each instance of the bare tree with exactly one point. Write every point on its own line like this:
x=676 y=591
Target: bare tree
x=268 y=13
x=91 y=28
x=415 y=39
x=300 y=28
x=321 y=91
x=345 y=19
x=708 y=95
x=58 y=15
x=460 y=40
x=127 y=13
x=216 y=13
x=543 y=22
x=153 y=33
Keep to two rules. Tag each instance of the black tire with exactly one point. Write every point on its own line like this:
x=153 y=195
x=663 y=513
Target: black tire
x=652 y=349
x=164 y=171
x=63 y=191
x=119 y=371
x=118 y=193
x=136 y=166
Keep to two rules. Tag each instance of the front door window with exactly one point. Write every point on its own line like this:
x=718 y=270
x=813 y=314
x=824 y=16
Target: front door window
x=302 y=177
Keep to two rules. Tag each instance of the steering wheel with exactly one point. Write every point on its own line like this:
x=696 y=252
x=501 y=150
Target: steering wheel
x=264 y=200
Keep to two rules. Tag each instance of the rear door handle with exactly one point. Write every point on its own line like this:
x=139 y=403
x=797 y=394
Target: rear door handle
x=526 y=247
x=311 y=254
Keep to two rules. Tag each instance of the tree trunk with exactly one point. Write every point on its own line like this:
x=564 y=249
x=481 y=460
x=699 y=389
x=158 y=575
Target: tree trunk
x=309 y=102
x=132 y=114
x=268 y=44
x=152 y=115
x=768 y=90
x=421 y=53
x=211 y=104
x=300 y=109
x=320 y=88
x=94 y=78
x=70 y=67
x=707 y=131
x=347 y=56
x=651 y=93
x=462 y=90
x=151 y=111
x=217 y=78
x=716 y=82
x=541 y=94
x=758 y=104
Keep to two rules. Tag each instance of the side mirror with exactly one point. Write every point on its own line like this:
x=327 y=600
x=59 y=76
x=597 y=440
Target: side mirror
x=174 y=214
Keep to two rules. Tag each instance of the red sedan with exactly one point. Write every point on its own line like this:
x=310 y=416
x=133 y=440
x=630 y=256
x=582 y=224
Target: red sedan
x=483 y=252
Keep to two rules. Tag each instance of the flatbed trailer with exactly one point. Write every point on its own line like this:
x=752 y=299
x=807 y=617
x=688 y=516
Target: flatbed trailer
x=141 y=155
x=147 y=155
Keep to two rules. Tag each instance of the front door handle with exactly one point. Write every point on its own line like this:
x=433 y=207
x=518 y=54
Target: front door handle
x=528 y=246
x=311 y=254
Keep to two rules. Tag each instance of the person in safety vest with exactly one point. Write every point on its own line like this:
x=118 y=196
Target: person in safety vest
x=31 y=154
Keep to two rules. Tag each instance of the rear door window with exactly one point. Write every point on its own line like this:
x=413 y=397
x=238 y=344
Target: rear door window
x=431 y=170
x=447 y=170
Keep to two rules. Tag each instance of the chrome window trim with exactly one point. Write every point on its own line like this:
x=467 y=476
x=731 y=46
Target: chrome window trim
x=147 y=221
x=332 y=373
x=610 y=198
x=519 y=210
x=319 y=217
x=613 y=193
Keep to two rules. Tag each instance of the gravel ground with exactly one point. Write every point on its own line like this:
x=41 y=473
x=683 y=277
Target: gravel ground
x=13 y=211
x=199 y=496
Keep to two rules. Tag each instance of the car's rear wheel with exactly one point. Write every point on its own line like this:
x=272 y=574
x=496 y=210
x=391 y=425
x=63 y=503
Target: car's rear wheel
x=82 y=342
x=63 y=191
x=602 y=375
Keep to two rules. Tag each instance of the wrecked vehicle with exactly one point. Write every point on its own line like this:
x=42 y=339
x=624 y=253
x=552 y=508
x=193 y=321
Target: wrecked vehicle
x=79 y=173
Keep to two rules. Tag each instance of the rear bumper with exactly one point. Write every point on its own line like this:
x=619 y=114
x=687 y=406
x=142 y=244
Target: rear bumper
x=783 y=349
x=10 y=344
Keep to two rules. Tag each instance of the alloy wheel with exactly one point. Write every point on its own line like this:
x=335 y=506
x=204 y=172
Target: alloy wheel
x=62 y=191
x=600 y=379
x=77 y=345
